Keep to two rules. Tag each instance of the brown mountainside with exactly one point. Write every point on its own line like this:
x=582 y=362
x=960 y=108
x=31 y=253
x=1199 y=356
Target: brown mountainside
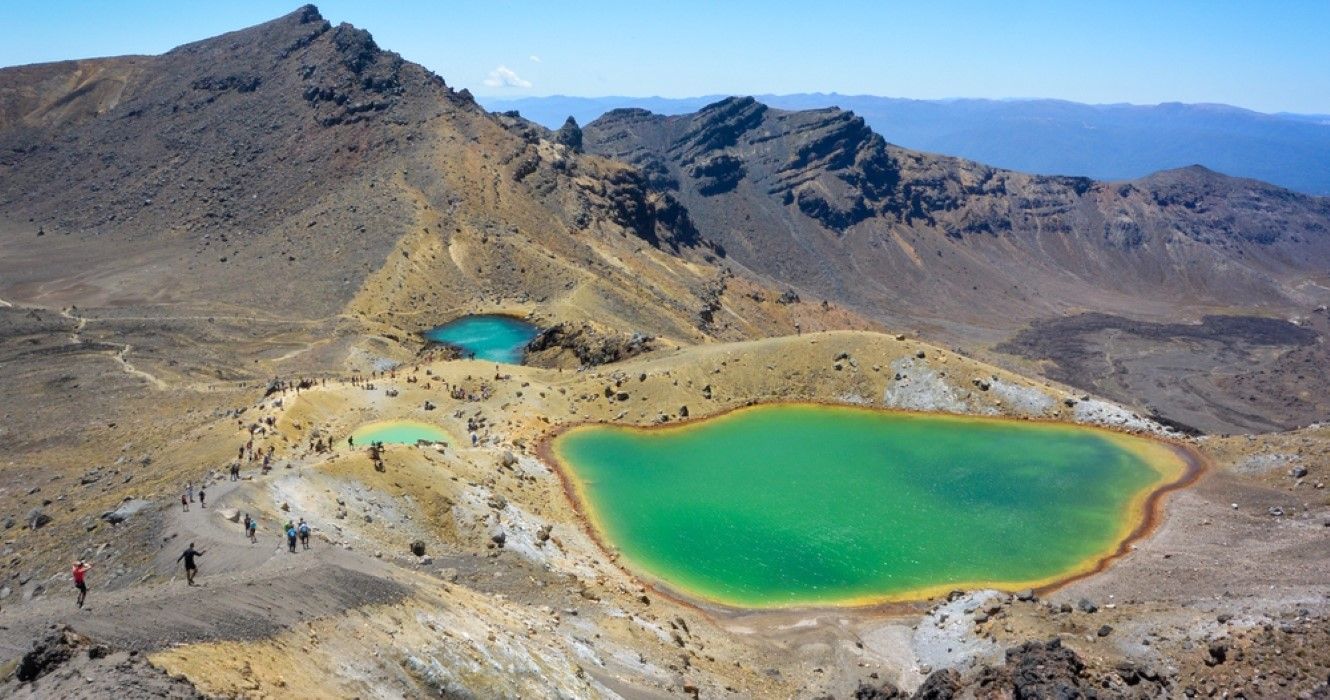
x=296 y=169
x=818 y=198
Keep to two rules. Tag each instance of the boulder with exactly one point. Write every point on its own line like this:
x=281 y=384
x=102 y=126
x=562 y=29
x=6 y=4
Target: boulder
x=1045 y=670
x=126 y=511
x=1216 y=654
x=940 y=685
x=878 y=691
x=48 y=653
x=37 y=519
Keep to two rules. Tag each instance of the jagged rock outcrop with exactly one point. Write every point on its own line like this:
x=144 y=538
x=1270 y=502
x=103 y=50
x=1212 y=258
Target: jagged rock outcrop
x=655 y=217
x=64 y=663
x=589 y=345
x=570 y=135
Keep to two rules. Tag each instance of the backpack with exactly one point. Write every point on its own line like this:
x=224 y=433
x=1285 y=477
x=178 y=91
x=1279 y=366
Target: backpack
x=304 y=529
x=291 y=533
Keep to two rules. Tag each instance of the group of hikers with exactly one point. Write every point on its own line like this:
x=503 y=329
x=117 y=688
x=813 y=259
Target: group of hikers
x=296 y=532
x=187 y=497
x=293 y=530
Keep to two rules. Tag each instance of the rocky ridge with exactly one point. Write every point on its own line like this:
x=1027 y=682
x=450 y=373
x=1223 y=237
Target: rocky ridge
x=818 y=198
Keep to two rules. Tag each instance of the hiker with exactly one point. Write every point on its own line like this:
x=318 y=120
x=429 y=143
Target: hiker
x=304 y=533
x=253 y=531
x=245 y=531
x=291 y=538
x=202 y=495
x=191 y=568
x=189 y=489
x=351 y=441
x=184 y=502
x=80 y=570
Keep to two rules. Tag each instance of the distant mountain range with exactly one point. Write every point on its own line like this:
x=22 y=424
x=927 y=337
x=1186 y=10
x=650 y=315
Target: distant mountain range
x=1054 y=137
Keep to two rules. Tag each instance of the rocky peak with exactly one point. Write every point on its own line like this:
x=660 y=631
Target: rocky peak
x=628 y=114
x=570 y=135
x=720 y=125
x=305 y=14
x=283 y=35
x=356 y=47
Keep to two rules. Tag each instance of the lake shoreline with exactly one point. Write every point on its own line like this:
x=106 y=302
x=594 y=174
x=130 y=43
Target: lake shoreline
x=1147 y=508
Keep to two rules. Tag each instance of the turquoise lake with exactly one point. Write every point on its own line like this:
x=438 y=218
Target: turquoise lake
x=487 y=337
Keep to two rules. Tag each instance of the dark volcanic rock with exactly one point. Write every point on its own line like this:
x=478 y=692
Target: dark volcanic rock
x=590 y=346
x=944 y=684
x=1044 y=670
x=1037 y=671
x=879 y=690
x=655 y=217
x=717 y=175
x=48 y=653
x=66 y=664
x=570 y=135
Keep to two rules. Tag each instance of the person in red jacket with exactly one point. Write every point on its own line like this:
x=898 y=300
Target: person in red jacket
x=80 y=572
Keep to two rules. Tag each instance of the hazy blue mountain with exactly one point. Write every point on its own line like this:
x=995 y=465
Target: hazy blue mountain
x=1107 y=142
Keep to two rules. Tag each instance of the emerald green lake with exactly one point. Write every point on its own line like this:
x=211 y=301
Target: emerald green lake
x=398 y=432
x=487 y=337
x=789 y=504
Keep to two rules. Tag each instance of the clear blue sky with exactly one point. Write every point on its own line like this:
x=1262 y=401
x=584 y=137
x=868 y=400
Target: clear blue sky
x=1269 y=56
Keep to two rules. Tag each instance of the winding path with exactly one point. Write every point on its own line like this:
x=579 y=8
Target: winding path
x=245 y=591
x=76 y=337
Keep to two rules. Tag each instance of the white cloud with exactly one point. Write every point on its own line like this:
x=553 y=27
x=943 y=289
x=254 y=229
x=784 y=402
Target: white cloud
x=503 y=76
x=534 y=58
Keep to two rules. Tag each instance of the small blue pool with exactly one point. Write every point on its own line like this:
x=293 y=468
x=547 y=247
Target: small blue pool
x=487 y=337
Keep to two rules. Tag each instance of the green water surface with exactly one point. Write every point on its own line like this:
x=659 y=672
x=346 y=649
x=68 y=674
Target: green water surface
x=399 y=432
x=796 y=504
x=487 y=337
